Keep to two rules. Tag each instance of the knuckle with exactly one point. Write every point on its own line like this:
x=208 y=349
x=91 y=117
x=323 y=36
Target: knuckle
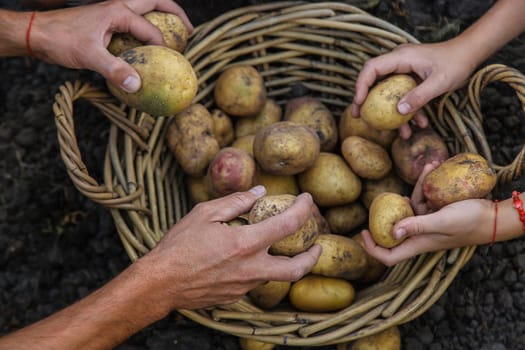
x=296 y=273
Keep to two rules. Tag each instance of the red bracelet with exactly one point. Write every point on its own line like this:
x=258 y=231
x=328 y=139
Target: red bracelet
x=518 y=204
x=495 y=222
x=28 y=34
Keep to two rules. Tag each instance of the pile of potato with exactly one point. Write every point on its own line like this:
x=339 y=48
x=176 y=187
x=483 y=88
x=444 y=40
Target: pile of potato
x=358 y=176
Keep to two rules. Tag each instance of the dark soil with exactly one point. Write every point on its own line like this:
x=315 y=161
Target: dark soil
x=56 y=246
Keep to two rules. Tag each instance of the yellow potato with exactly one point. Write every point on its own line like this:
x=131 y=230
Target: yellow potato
x=375 y=268
x=222 y=128
x=285 y=148
x=276 y=184
x=190 y=139
x=385 y=211
x=330 y=181
x=380 y=106
x=321 y=294
x=245 y=143
x=293 y=244
x=343 y=219
x=169 y=83
x=240 y=91
x=174 y=33
x=350 y=126
x=463 y=176
x=372 y=188
x=268 y=295
x=342 y=257
x=199 y=189
x=271 y=113
x=252 y=344
x=388 y=339
x=366 y=158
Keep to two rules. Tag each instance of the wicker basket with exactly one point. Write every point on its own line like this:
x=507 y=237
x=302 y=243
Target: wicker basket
x=323 y=46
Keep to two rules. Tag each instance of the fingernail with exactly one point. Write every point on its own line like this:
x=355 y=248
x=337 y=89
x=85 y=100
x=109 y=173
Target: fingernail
x=404 y=108
x=258 y=191
x=400 y=233
x=131 y=84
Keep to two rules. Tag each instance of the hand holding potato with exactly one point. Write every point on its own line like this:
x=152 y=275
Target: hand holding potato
x=218 y=264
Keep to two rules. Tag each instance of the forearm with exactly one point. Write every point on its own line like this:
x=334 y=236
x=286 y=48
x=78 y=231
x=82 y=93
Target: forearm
x=13 y=27
x=102 y=320
x=503 y=22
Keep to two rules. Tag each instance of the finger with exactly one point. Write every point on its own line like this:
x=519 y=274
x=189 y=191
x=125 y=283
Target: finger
x=114 y=69
x=231 y=206
x=416 y=98
x=279 y=226
x=139 y=27
x=405 y=131
x=142 y=7
x=421 y=119
x=292 y=269
x=418 y=196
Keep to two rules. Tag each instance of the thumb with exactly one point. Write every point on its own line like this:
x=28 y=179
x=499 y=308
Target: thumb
x=412 y=226
x=115 y=69
x=416 y=98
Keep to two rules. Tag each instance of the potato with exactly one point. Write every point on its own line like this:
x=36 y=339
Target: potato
x=190 y=139
x=268 y=295
x=271 y=113
x=463 y=176
x=350 y=126
x=375 y=268
x=321 y=294
x=240 y=91
x=342 y=257
x=231 y=170
x=276 y=184
x=410 y=155
x=385 y=211
x=222 y=128
x=199 y=189
x=390 y=183
x=380 y=106
x=322 y=224
x=285 y=148
x=343 y=219
x=293 y=244
x=312 y=112
x=252 y=344
x=245 y=143
x=366 y=158
x=169 y=83
x=174 y=33
x=330 y=181
x=388 y=339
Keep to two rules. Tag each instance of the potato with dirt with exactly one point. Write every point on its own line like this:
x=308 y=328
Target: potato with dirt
x=269 y=294
x=375 y=268
x=168 y=81
x=366 y=158
x=314 y=293
x=385 y=211
x=312 y=112
x=410 y=155
x=240 y=91
x=231 y=170
x=293 y=244
x=189 y=137
x=222 y=128
x=276 y=184
x=343 y=219
x=174 y=33
x=380 y=106
x=388 y=339
x=285 y=148
x=330 y=181
x=252 y=344
x=352 y=126
x=199 y=189
x=271 y=113
x=390 y=183
x=466 y=175
x=341 y=257
x=245 y=143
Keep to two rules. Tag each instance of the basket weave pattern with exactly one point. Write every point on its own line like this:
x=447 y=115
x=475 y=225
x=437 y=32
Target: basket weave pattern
x=323 y=46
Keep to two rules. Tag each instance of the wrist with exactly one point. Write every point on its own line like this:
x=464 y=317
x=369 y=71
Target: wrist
x=13 y=29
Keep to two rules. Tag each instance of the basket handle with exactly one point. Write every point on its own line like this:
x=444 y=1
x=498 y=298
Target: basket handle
x=516 y=80
x=103 y=194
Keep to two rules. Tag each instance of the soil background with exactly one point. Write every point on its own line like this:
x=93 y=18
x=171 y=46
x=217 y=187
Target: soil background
x=56 y=246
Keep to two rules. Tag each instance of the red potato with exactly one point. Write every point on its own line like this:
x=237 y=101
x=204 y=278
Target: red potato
x=410 y=155
x=231 y=170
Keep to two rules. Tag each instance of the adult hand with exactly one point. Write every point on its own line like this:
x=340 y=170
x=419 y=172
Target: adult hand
x=429 y=62
x=203 y=262
x=456 y=225
x=77 y=37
